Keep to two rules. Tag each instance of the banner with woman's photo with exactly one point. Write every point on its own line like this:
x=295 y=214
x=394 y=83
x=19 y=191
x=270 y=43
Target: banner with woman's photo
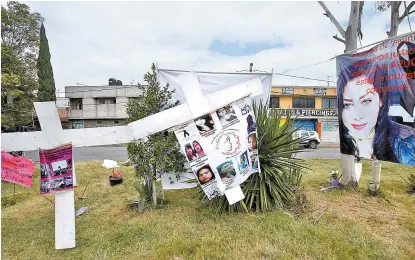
x=221 y=146
x=56 y=172
x=376 y=101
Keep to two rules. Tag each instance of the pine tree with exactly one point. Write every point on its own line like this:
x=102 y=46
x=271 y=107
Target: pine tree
x=47 y=89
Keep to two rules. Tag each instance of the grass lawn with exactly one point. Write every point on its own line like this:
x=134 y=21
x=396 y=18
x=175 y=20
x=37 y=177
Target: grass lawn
x=350 y=224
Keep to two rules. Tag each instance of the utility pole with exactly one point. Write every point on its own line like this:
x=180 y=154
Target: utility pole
x=328 y=81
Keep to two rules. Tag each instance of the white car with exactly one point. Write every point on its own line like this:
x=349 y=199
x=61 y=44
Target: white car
x=310 y=139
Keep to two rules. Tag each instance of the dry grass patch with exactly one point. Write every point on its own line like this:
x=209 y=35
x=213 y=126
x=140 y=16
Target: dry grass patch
x=352 y=224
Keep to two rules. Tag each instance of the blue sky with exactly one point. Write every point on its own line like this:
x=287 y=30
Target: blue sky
x=93 y=41
x=242 y=49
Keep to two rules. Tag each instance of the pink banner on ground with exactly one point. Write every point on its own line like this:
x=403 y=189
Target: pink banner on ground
x=18 y=170
x=56 y=172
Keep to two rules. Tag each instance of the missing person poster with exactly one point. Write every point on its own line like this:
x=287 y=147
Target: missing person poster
x=376 y=101
x=18 y=170
x=56 y=172
x=221 y=147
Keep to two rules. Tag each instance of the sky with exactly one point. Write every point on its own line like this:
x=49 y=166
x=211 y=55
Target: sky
x=91 y=42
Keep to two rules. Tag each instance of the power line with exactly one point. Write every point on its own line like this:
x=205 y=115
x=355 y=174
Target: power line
x=307 y=66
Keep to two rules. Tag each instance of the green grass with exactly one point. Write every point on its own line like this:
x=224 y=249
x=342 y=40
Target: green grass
x=352 y=224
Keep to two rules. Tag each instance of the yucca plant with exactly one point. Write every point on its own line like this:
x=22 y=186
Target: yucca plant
x=281 y=174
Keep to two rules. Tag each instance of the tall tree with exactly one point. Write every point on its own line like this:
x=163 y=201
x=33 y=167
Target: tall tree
x=46 y=81
x=159 y=152
x=395 y=18
x=19 y=47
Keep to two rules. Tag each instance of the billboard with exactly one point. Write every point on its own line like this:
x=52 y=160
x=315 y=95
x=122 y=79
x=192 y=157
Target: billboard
x=376 y=101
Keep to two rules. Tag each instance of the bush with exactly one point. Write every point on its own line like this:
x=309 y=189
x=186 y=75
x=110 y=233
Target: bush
x=278 y=184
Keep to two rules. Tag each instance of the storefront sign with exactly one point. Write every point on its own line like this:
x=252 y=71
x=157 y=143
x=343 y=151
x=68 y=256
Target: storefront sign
x=319 y=91
x=307 y=112
x=287 y=91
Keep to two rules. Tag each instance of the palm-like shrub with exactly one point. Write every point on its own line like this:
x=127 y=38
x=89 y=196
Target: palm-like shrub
x=281 y=174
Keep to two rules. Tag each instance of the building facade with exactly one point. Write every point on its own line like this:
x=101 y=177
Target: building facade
x=99 y=106
x=314 y=108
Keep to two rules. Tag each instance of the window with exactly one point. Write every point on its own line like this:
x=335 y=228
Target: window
x=274 y=102
x=103 y=101
x=304 y=103
x=77 y=124
x=329 y=102
x=99 y=122
x=304 y=133
x=116 y=122
x=76 y=103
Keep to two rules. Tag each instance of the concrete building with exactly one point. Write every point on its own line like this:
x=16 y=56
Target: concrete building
x=314 y=107
x=98 y=106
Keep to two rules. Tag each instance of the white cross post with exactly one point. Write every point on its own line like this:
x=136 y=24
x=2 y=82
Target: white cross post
x=52 y=135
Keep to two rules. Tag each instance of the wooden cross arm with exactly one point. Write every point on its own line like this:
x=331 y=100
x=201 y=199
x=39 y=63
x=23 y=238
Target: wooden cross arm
x=136 y=130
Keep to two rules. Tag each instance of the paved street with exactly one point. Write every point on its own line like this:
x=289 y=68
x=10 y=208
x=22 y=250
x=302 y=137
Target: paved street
x=120 y=153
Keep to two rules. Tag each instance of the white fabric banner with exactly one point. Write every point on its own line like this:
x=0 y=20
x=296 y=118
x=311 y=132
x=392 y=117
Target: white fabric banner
x=177 y=181
x=213 y=82
x=221 y=147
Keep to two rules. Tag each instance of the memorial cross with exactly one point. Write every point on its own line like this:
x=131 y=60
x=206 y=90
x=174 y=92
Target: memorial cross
x=53 y=135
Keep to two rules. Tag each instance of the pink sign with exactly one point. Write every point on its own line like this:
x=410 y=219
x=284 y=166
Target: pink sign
x=17 y=169
x=56 y=171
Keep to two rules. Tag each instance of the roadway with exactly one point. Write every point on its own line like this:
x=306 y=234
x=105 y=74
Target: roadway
x=119 y=153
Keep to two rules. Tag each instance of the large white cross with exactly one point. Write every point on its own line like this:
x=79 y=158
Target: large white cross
x=52 y=135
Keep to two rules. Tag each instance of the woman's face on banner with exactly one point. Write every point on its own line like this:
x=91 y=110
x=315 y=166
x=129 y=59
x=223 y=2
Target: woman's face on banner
x=360 y=107
x=205 y=175
x=252 y=142
x=189 y=152
x=197 y=147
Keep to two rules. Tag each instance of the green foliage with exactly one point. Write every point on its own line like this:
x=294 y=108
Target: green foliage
x=44 y=70
x=278 y=184
x=19 y=47
x=160 y=152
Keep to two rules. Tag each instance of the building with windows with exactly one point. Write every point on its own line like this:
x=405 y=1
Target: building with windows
x=99 y=106
x=314 y=107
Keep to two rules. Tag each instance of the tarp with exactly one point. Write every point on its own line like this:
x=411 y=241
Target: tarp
x=376 y=101
x=211 y=82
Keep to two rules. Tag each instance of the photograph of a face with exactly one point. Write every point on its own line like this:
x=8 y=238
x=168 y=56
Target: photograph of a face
x=252 y=142
x=226 y=114
x=243 y=162
x=251 y=124
x=193 y=151
x=205 y=174
x=205 y=124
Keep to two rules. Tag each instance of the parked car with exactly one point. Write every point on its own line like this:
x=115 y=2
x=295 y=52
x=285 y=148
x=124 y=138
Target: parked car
x=310 y=139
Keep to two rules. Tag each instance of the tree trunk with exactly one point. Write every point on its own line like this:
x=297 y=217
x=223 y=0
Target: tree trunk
x=352 y=28
x=394 y=20
x=154 y=188
x=154 y=185
x=347 y=161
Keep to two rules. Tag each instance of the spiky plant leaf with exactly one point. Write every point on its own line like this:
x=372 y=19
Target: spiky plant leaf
x=278 y=183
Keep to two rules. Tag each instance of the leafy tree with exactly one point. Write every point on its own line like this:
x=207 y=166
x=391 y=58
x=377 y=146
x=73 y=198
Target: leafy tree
x=19 y=47
x=278 y=184
x=159 y=152
x=44 y=70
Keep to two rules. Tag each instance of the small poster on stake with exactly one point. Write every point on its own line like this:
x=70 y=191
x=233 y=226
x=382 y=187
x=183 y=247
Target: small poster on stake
x=17 y=170
x=56 y=172
x=221 y=147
